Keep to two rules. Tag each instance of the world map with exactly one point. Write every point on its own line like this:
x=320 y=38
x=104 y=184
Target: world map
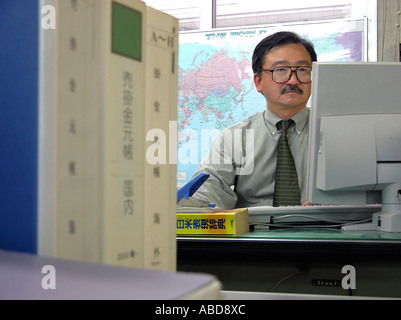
x=216 y=87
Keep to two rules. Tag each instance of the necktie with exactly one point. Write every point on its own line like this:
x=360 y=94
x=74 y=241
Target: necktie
x=286 y=188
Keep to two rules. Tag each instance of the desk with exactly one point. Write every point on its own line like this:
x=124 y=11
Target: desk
x=22 y=277
x=306 y=261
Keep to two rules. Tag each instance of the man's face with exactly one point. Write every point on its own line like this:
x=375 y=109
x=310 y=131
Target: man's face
x=292 y=95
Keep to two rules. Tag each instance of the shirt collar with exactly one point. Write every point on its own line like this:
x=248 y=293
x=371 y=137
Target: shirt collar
x=299 y=118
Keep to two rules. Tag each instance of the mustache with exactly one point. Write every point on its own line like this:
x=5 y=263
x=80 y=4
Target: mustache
x=291 y=88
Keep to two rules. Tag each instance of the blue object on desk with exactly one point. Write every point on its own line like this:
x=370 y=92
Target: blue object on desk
x=191 y=186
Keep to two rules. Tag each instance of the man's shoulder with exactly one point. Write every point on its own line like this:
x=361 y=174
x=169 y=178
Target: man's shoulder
x=251 y=121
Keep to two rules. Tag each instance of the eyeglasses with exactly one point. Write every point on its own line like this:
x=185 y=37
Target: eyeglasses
x=283 y=74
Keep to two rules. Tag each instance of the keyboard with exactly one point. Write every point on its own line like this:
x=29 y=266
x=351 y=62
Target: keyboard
x=262 y=214
x=262 y=210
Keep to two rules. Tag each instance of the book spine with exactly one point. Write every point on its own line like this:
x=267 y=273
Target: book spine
x=206 y=223
x=123 y=132
x=70 y=128
x=160 y=125
x=70 y=124
x=62 y=138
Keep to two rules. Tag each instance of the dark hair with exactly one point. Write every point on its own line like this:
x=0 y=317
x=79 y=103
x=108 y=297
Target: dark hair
x=278 y=39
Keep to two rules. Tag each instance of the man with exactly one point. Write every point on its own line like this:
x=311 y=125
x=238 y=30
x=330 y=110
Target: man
x=242 y=162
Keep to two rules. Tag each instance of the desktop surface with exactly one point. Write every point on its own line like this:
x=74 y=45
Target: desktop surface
x=303 y=244
x=303 y=234
x=31 y=277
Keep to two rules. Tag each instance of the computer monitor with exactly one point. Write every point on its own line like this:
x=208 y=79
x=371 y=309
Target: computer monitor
x=355 y=138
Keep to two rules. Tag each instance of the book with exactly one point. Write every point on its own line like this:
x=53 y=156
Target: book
x=160 y=125
x=93 y=203
x=224 y=222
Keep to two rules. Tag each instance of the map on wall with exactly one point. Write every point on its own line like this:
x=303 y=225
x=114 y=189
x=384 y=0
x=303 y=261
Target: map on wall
x=216 y=87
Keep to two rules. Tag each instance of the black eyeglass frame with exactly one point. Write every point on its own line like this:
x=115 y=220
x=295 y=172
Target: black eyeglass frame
x=292 y=71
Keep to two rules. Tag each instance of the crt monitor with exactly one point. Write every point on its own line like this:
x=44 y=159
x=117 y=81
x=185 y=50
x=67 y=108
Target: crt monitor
x=355 y=138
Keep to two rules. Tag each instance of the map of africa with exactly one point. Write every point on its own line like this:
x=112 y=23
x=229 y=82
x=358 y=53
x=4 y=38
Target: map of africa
x=216 y=86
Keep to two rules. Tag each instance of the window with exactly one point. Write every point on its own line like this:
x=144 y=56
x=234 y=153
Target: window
x=254 y=12
x=209 y=14
x=187 y=11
